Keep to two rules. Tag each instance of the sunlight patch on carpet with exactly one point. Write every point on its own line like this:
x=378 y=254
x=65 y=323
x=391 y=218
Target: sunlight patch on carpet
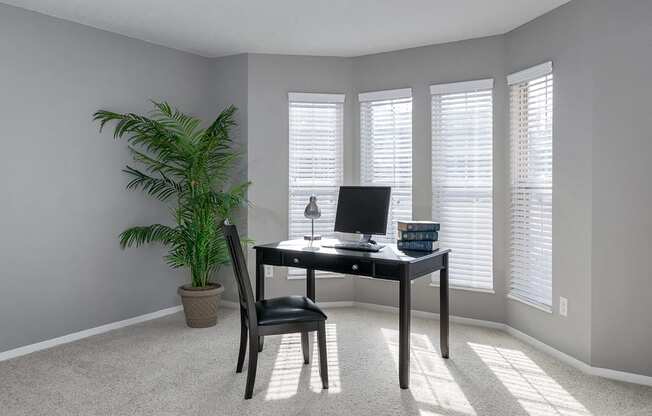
x=284 y=381
x=334 y=383
x=537 y=392
x=431 y=383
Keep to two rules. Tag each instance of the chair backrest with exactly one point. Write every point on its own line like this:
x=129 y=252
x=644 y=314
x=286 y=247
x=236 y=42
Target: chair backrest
x=240 y=270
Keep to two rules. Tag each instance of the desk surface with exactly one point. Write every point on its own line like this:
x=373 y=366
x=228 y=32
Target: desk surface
x=389 y=253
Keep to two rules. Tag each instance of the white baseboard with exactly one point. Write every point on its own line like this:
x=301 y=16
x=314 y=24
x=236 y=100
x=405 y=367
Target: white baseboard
x=579 y=364
x=572 y=361
x=27 y=349
x=622 y=376
x=561 y=356
x=338 y=304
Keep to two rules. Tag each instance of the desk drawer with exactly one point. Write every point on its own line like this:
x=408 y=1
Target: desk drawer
x=328 y=263
x=388 y=271
x=302 y=260
x=355 y=266
x=272 y=258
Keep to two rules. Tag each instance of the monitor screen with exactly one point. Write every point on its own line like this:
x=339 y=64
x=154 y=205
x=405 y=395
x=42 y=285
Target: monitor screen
x=363 y=209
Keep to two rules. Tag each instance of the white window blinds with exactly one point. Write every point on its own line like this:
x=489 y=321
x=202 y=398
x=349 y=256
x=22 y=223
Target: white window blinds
x=531 y=118
x=315 y=161
x=462 y=178
x=386 y=150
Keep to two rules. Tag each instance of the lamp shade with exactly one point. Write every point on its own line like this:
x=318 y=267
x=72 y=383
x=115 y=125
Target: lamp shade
x=312 y=210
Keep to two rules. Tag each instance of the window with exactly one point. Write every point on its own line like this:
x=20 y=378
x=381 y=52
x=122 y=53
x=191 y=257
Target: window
x=386 y=150
x=315 y=161
x=462 y=178
x=531 y=117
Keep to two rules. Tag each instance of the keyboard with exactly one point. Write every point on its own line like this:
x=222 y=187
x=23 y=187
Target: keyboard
x=357 y=246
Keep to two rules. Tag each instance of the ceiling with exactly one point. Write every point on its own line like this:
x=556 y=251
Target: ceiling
x=301 y=27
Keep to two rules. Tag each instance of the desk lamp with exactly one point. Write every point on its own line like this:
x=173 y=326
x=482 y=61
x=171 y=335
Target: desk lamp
x=312 y=212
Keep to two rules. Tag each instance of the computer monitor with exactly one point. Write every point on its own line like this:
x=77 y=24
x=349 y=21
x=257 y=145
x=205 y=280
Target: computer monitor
x=363 y=210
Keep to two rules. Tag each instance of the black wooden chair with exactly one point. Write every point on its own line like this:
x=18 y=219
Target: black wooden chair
x=284 y=315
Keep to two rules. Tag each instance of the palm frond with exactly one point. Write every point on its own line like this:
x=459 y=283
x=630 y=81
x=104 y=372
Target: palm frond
x=137 y=236
x=219 y=164
x=160 y=188
x=126 y=123
x=156 y=165
x=227 y=202
x=223 y=123
x=151 y=135
x=183 y=124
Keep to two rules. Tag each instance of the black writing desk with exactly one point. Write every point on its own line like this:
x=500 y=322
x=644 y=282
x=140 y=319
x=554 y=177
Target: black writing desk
x=389 y=264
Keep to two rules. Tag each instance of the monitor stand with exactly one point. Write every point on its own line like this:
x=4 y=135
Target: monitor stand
x=366 y=238
x=366 y=244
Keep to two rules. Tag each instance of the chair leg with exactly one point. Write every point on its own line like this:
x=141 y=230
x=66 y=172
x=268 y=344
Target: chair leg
x=243 y=342
x=253 y=363
x=323 y=360
x=305 y=347
x=261 y=342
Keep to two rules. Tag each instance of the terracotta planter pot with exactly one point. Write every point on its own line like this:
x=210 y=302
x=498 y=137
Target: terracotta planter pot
x=200 y=304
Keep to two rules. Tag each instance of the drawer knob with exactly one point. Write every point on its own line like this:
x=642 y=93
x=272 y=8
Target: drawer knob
x=295 y=260
x=355 y=267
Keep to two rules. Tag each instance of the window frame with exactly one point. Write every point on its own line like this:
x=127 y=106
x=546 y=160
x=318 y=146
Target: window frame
x=535 y=188
x=450 y=101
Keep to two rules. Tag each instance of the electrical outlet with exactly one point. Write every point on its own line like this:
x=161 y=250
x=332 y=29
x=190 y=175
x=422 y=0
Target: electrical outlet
x=269 y=271
x=563 y=306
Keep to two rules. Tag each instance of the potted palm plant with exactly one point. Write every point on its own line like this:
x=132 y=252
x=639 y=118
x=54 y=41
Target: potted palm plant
x=187 y=167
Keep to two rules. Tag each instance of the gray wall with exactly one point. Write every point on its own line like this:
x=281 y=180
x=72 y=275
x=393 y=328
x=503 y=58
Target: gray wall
x=271 y=77
x=418 y=68
x=621 y=285
x=229 y=85
x=63 y=197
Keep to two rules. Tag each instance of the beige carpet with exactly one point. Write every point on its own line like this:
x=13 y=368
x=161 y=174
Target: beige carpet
x=163 y=368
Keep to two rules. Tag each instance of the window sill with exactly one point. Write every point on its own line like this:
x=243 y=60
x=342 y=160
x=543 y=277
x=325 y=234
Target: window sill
x=546 y=309
x=468 y=289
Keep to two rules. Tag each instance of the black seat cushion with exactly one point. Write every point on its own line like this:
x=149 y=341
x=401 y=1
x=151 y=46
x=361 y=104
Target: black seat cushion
x=288 y=309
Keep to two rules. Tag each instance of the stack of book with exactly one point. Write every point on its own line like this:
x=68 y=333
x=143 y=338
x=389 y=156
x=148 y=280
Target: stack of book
x=418 y=235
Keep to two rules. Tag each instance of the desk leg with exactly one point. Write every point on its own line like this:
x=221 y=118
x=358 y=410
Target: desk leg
x=310 y=284
x=260 y=287
x=404 y=333
x=444 y=308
